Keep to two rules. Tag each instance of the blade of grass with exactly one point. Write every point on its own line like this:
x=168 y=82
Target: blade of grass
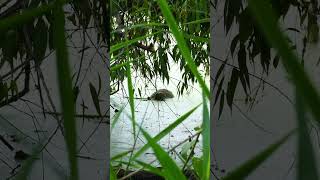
x=170 y=169
x=65 y=88
x=113 y=175
x=261 y=9
x=131 y=99
x=132 y=41
x=249 y=166
x=120 y=155
x=206 y=140
x=307 y=168
x=166 y=131
x=185 y=51
x=116 y=117
x=131 y=102
x=118 y=66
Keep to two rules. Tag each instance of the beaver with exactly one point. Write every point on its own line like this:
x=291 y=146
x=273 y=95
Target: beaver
x=161 y=95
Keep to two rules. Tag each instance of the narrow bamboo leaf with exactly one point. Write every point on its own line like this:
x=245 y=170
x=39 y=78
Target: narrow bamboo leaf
x=307 y=168
x=242 y=61
x=130 y=42
x=40 y=40
x=221 y=68
x=198 y=21
x=232 y=85
x=196 y=38
x=120 y=155
x=234 y=43
x=185 y=51
x=65 y=88
x=218 y=91
x=99 y=85
x=95 y=98
x=166 y=131
x=221 y=104
x=276 y=60
x=243 y=83
x=249 y=166
x=131 y=99
x=171 y=170
x=206 y=140
x=118 y=66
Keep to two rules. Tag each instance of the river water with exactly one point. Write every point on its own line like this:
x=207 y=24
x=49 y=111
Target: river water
x=154 y=116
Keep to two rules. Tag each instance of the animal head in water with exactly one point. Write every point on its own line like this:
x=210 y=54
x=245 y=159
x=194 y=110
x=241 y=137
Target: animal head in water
x=161 y=95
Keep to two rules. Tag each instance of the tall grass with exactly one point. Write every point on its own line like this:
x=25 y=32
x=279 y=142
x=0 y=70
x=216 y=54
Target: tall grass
x=65 y=88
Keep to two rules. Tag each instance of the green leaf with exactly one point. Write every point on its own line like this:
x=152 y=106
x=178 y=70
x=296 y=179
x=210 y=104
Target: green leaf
x=276 y=60
x=232 y=85
x=307 y=167
x=113 y=175
x=186 y=148
x=14 y=88
x=245 y=26
x=130 y=42
x=242 y=61
x=3 y=91
x=197 y=165
x=120 y=155
x=234 y=43
x=95 y=98
x=131 y=99
x=249 y=166
x=170 y=169
x=206 y=140
x=218 y=91
x=65 y=88
x=221 y=104
x=221 y=68
x=40 y=39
